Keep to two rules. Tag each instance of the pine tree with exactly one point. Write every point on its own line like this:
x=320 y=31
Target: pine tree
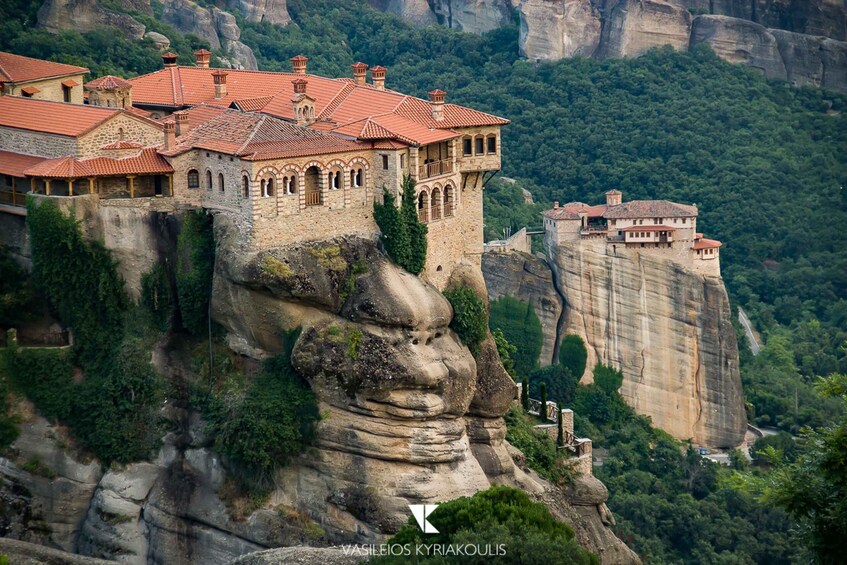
x=542 y=413
x=560 y=435
x=394 y=235
x=525 y=394
x=416 y=230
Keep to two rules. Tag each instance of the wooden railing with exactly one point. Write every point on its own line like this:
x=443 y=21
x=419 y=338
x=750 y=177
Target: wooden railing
x=435 y=168
x=313 y=198
x=12 y=197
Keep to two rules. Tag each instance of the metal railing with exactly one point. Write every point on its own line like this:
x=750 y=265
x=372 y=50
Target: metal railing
x=435 y=168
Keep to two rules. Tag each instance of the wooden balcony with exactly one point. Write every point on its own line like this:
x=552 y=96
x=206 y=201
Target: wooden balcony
x=313 y=198
x=434 y=169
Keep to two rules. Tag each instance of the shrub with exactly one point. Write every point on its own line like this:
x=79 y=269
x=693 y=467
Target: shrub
x=540 y=451
x=505 y=350
x=560 y=382
x=521 y=326
x=156 y=296
x=497 y=516
x=607 y=378
x=416 y=230
x=470 y=320
x=16 y=292
x=573 y=355
x=195 y=263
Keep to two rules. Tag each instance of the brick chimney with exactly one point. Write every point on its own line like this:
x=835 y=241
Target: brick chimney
x=169 y=59
x=170 y=135
x=202 y=58
x=219 y=77
x=556 y=205
x=298 y=64
x=436 y=101
x=378 y=76
x=300 y=85
x=181 y=120
x=360 y=71
x=614 y=197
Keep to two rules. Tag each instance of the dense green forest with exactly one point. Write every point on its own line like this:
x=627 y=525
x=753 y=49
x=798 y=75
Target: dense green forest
x=765 y=163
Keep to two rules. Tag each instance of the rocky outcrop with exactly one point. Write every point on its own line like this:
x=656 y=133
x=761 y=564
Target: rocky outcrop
x=666 y=328
x=528 y=278
x=555 y=29
x=813 y=61
x=300 y=556
x=740 y=41
x=635 y=26
x=87 y=15
x=23 y=553
x=271 y=11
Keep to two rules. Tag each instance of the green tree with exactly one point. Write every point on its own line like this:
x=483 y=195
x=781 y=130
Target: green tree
x=416 y=230
x=505 y=350
x=470 y=321
x=573 y=354
x=393 y=232
x=608 y=379
x=521 y=326
x=560 y=382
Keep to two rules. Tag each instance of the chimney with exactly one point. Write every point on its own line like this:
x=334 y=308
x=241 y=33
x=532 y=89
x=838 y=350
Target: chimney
x=170 y=135
x=202 y=58
x=360 y=71
x=219 y=77
x=169 y=59
x=298 y=64
x=436 y=100
x=614 y=197
x=556 y=205
x=299 y=85
x=378 y=76
x=181 y=119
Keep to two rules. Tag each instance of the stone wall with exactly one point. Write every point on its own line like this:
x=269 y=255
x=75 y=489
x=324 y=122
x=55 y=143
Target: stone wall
x=123 y=126
x=36 y=143
x=51 y=89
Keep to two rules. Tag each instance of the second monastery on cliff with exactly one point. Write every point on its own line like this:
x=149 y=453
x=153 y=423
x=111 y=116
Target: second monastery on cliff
x=290 y=156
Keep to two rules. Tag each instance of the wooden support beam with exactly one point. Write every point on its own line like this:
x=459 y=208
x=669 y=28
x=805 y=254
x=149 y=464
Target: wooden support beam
x=170 y=185
x=90 y=185
x=131 y=179
x=71 y=187
x=47 y=187
x=14 y=190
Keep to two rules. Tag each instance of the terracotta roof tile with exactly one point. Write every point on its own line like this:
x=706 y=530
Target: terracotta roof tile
x=70 y=83
x=16 y=163
x=60 y=168
x=707 y=244
x=252 y=104
x=51 y=117
x=650 y=209
x=148 y=161
x=122 y=145
x=649 y=228
x=107 y=82
x=17 y=68
x=561 y=213
x=30 y=90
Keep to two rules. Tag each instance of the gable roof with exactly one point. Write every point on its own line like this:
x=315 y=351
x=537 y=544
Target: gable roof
x=59 y=118
x=254 y=136
x=339 y=102
x=108 y=82
x=650 y=209
x=15 y=164
x=60 y=168
x=17 y=68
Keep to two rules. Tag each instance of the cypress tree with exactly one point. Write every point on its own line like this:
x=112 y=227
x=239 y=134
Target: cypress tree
x=560 y=434
x=416 y=230
x=394 y=235
x=525 y=394
x=543 y=412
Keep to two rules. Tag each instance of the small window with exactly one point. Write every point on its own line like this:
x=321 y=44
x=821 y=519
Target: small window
x=402 y=161
x=269 y=187
x=360 y=177
x=193 y=179
x=480 y=145
x=208 y=180
x=385 y=162
x=492 y=144
x=66 y=93
x=467 y=146
x=245 y=186
x=221 y=182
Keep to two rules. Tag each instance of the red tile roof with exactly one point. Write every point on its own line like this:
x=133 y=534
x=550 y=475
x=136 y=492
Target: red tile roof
x=107 y=82
x=147 y=162
x=16 y=163
x=122 y=145
x=51 y=117
x=650 y=209
x=337 y=100
x=30 y=90
x=17 y=68
x=60 y=168
x=649 y=228
x=70 y=83
x=256 y=137
x=197 y=115
x=572 y=211
x=707 y=244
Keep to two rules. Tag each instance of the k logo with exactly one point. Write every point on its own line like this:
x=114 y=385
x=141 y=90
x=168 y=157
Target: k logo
x=421 y=512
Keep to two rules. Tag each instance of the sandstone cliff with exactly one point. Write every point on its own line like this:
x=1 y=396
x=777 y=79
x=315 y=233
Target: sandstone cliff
x=410 y=416
x=530 y=279
x=668 y=330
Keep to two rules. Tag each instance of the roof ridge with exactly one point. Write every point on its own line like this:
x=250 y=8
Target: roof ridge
x=253 y=133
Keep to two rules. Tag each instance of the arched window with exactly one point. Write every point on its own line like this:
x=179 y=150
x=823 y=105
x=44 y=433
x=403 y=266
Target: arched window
x=193 y=179
x=269 y=187
x=208 y=180
x=353 y=179
x=360 y=177
x=312 y=186
x=491 y=144
x=423 y=207
x=245 y=186
x=480 y=145
x=121 y=134
x=221 y=182
x=263 y=189
x=334 y=180
x=448 y=201
x=435 y=204
x=356 y=178
x=289 y=184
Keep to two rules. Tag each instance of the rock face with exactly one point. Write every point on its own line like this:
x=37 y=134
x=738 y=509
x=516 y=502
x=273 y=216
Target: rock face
x=87 y=15
x=666 y=328
x=635 y=26
x=271 y=11
x=531 y=280
x=740 y=41
x=555 y=29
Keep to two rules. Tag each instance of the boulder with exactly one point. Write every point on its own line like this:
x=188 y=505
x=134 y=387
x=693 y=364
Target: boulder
x=162 y=43
x=271 y=11
x=88 y=15
x=635 y=26
x=740 y=41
